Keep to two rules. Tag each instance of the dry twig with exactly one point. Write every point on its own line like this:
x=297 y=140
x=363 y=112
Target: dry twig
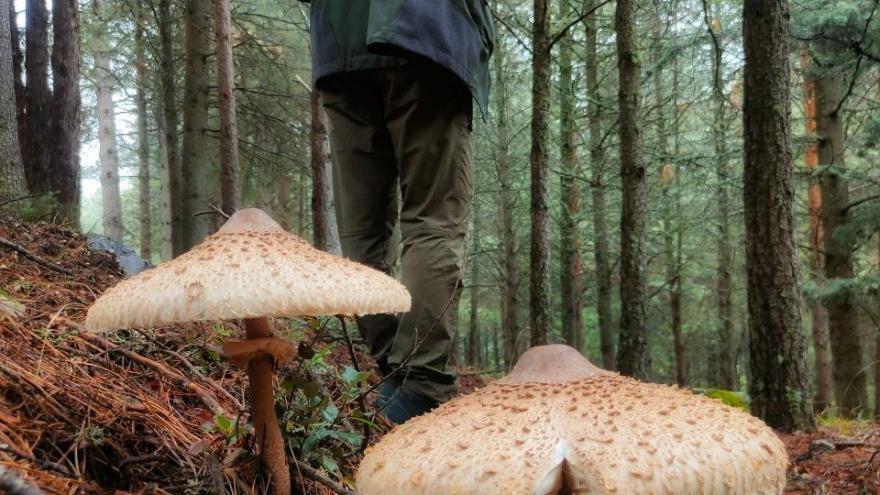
x=303 y=469
x=33 y=257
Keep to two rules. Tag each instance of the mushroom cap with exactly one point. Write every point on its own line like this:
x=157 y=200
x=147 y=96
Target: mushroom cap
x=558 y=424
x=250 y=268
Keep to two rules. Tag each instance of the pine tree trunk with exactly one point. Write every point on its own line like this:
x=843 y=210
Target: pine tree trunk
x=282 y=198
x=229 y=182
x=600 y=227
x=473 y=346
x=821 y=340
x=876 y=330
x=539 y=265
x=727 y=368
x=12 y=184
x=779 y=381
x=632 y=355
x=510 y=272
x=170 y=211
x=108 y=157
x=570 y=280
x=144 y=216
x=65 y=126
x=324 y=230
x=198 y=186
x=669 y=182
x=674 y=266
x=846 y=345
x=37 y=98
x=17 y=63
x=166 y=214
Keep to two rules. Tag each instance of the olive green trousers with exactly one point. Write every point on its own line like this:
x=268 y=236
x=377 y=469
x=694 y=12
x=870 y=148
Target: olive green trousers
x=409 y=124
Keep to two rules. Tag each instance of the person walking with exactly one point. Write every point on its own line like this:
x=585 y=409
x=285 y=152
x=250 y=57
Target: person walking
x=398 y=79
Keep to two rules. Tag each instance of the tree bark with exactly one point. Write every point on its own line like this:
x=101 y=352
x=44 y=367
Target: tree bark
x=779 y=381
x=473 y=344
x=37 y=98
x=539 y=264
x=198 y=184
x=17 y=63
x=12 y=184
x=597 y=185
x=166 y=214
x=670 y=183
x=324 y=230
x=65 y=126
x=144 y=216
x=877 y=331
x=510 y=272
x=632 y=355
x=229 y=182
x=108 y=157
x=571 y=269
x=846 y=345
x=727 y=368
x=675 y=262
x=821 y=342
x=172 y=223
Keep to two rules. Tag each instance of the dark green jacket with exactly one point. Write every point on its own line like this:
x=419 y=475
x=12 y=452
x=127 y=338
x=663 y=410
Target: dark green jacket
x=350 y=35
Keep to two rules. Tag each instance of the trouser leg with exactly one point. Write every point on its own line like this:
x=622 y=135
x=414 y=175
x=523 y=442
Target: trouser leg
x=364 y=171
x=428 y=117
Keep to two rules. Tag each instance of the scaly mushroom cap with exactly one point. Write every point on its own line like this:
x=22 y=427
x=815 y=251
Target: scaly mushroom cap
x=250 y=268
x=559 y=425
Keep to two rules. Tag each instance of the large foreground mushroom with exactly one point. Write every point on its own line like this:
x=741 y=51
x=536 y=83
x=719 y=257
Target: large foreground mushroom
x=250 y=269
x=559 y=425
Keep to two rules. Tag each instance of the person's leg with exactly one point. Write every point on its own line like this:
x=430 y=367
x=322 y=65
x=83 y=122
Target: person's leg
x=429 y=117
x=364 y=172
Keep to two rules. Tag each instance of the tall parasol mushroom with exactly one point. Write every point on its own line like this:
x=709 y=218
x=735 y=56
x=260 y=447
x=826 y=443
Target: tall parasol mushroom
x=559 y=425
x=250 y=269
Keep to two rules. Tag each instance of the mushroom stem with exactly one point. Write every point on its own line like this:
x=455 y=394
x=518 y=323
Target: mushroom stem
x=261 y=371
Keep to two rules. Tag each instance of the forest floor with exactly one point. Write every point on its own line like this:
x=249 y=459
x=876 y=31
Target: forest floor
x=159 y=411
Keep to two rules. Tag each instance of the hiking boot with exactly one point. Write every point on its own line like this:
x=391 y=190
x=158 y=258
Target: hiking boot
x=398 y=404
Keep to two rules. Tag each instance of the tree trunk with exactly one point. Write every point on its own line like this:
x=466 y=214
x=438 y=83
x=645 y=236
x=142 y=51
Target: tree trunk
x=229 y=182
x=632 y=355
x=17 y=62
x=539 y=298
x=198 y=186
x=37 y=98
x=600 y=228
x=144 y=216
x=282 y=198
x=727 y=368
x=510 y=272
x=166 y=213
x=777 y=348
x=324 y=230
x=65 y=130
x=669 y=181
x=846 y=345
x=172 y=226
x=570 y=280
x=473 y=345
x=108 y=157
x=877 y=330
x=821 y=342
x=12 y=184
x=674 y=265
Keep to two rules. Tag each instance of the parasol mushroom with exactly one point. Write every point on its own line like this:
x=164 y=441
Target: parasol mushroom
x=559 y=425
x=250 y=269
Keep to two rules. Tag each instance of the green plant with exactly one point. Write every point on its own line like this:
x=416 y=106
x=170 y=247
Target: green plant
x=324 y=424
